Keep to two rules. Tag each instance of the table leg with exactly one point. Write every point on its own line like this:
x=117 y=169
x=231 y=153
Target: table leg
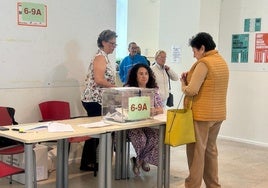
x=160 y=157
x=108 y=160
x=124 y=155
x=59 y=169
x=118 y=155
x=29 y=165
x=65 y=163
x=167 y=166
x=102 y=161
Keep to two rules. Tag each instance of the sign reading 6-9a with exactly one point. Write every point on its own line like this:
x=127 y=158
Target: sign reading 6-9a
x=32 y=11
x=139 y=108
x=32 y=14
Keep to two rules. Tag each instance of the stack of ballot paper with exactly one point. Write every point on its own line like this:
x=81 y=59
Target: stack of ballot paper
x=95 y=124
x=50 y=126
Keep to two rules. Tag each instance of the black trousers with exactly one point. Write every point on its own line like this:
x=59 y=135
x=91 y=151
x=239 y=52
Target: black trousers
x=89 y=154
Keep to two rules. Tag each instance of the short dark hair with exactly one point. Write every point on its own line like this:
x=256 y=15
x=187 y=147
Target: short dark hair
x=132 y=76
x=105 y=35
x=204 y=39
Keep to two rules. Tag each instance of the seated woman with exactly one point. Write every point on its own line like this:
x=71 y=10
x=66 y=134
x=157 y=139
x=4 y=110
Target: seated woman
x=144 y=140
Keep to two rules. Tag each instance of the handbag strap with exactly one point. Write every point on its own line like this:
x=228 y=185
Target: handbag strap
x=180 y=101
x=190 y=106
x=169 y=87
x=178 y=109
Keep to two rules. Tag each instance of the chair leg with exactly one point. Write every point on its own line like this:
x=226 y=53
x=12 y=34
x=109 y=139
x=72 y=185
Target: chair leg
x=34 y=167
x=11 y=162
x=69 y=147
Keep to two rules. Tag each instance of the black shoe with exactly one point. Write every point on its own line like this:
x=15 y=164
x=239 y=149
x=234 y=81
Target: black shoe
x=86 y=168
x=91 y=167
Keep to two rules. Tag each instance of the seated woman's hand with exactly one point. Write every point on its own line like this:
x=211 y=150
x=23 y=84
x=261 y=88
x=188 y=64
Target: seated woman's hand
x=157 y=110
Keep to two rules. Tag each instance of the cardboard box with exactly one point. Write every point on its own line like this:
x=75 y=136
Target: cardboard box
x=41 y=153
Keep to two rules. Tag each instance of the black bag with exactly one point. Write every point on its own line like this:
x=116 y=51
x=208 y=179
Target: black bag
x=170 y=100
x=170 y=97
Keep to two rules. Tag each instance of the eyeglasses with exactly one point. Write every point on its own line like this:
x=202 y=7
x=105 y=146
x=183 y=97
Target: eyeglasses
x=112 y=43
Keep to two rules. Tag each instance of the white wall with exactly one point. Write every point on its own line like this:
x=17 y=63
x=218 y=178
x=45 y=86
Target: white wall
x=247 y=93
x=155 y=24
x=50 y=63
x=175 y=29
x=121 y=28
x=143 y=25
x=179 y=20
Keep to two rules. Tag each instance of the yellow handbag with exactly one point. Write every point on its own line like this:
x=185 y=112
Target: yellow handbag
x=179 y=126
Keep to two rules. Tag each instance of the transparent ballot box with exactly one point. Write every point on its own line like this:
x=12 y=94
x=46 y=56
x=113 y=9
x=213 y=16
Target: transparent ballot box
x=127 y=104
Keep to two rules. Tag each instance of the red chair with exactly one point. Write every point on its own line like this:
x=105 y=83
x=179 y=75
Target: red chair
x=10 y=147
x=59 y=110
x=9 y=170
x=55 y=110
x=5 y=116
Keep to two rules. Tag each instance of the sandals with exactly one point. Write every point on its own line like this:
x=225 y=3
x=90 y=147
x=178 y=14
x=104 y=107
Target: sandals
x=135 y=167
x=145 y=166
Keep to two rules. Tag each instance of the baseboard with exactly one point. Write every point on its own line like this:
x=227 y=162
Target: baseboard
x=245 y=141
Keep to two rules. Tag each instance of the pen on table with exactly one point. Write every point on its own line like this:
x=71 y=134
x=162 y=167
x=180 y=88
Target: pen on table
x=20 y=130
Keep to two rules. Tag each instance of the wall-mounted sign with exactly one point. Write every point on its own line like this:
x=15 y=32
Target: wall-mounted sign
x=240 y=48
x=32 y=14
x=261 y=48
x=176 y=54
x=252 y=25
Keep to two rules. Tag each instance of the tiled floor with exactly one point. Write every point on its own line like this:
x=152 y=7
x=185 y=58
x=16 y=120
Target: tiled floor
x=240 y=166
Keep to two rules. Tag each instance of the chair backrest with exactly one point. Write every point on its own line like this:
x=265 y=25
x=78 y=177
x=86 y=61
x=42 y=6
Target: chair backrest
x=7 y=116
x=54 y=110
